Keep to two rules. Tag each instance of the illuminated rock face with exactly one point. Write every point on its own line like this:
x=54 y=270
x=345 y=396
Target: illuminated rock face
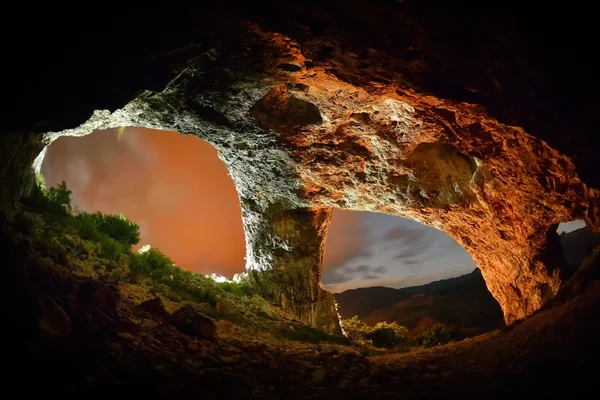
x=302 y=133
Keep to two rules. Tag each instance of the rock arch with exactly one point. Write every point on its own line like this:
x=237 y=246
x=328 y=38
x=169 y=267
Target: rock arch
x=298 y=141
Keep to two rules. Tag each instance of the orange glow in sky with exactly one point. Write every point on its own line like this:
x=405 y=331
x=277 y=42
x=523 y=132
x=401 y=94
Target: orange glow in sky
x=177 y=190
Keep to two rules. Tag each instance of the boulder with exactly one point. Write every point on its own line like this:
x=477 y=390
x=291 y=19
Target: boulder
x=188 y=320
x=153 y=306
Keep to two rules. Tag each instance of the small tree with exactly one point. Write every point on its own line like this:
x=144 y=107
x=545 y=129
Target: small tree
x=60 y=195
x=388 y=335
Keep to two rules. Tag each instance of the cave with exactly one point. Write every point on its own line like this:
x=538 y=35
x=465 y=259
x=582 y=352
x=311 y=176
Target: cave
x=478 y=124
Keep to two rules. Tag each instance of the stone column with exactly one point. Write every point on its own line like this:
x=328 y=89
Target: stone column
x=284 y=256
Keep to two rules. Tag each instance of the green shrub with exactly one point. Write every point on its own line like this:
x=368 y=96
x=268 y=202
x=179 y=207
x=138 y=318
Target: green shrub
x=60 y=195
x=192 y=286
x=107 y=240
x=162 y=270
x=152 y=263
x=235 y=288
x=111 y=249
x=356 y=330
x=381 y=335
x=39 y=200
x=117 y=227
x=439 y=334
x=86 y=226
x=388 y=335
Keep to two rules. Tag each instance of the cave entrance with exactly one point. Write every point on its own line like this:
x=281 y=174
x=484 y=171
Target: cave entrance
x=383 y=268
x=174 y=186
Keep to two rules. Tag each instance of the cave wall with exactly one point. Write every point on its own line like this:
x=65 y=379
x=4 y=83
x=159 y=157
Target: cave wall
x=447 y=117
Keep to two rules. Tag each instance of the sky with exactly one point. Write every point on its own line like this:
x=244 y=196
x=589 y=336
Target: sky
x=179 y=192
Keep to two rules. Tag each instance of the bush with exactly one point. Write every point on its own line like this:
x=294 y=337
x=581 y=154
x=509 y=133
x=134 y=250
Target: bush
x=388 y=335
x=60 y=195
x=48 y=202
x=162 y=270
x=118 y=228
x=381 y=335
x=356 y=330
x=86 y=226
x=111 y=249
x=439 y=334
x=152 y=263
x=235 y=288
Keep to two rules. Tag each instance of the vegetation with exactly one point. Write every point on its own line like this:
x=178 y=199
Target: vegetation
x=388 y=335
x=383 y=335
x=356 y=330
x=392 y=335
x=116 y=227
x=439 y=334
x=60 y=195
x=97 y=244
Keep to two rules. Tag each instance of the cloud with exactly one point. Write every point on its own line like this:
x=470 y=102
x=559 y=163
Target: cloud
x=413 y=267
x=410 y=262
x=403 y=233
x=380 y=270
x=360 y=268
x=351 y=255
x=332 y=277
x=409 y=239
x=370 y=276
x=350 y=273
x=409 y=252
x=349 y=240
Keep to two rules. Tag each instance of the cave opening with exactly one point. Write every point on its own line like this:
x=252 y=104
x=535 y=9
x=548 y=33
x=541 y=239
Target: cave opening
x=384 y=269
x=173 y=186
x=577 y=242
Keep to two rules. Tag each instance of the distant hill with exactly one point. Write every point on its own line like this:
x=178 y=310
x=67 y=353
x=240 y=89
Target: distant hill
x=464 y=300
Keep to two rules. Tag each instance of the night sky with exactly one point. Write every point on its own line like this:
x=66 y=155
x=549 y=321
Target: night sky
x=179 y=192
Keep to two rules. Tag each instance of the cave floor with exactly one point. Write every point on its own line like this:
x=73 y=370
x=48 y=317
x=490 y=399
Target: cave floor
x=120 y=354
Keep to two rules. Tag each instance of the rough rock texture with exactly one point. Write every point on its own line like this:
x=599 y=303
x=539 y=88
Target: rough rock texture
x=453 y=119
x=191 y=322
x=296 y=258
